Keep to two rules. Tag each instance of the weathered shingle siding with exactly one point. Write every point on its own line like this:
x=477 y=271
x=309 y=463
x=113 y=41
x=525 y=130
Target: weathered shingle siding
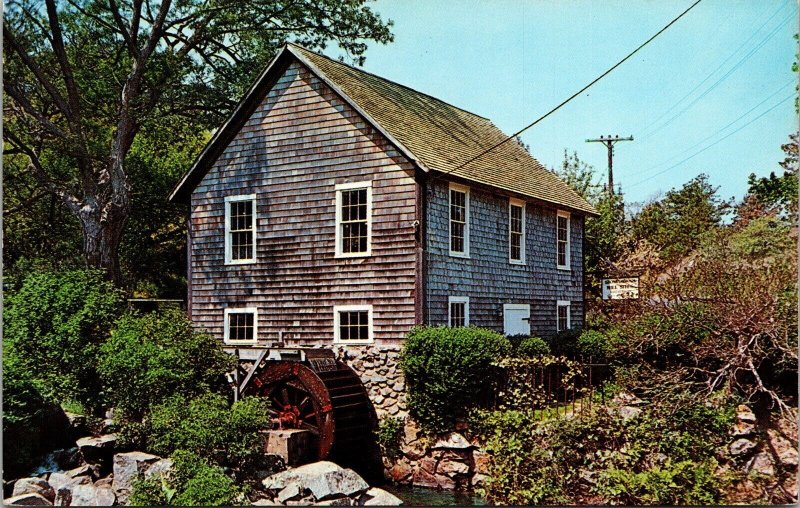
x=300 y=142
x=487 y=277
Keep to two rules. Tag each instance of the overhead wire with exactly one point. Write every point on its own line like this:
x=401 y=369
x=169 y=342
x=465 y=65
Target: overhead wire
x=643 y=130
x=720 y=130
x=720 y=80
x=568 y=99
x=712 y=144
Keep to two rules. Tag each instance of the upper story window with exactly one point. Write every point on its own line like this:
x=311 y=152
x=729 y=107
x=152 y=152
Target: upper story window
x=562 y=240
x=240 y=229
x=458 y=311
x=516 y=231
x=563 y=318
x=241 y=325
x=352 y=324
x=354 y=219
x=459 y=220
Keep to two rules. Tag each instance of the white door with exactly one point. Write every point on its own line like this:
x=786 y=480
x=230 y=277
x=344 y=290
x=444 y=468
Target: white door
x=517 y=319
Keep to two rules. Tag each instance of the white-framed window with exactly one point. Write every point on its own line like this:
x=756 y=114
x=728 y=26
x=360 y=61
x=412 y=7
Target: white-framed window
x=562 y=240
x=458 y=201
x=457 y=311
x=354 y=219
x=563 y=318
x=352 y=324
x=241 y=325
x=516 y=231
x=240 y=229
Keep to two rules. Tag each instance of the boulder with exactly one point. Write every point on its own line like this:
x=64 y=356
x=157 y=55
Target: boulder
x=452 y=468
x=85 y=495
x=785 y=451
x=280 y=480
x=265 y=502
x=34 y=486
x=80 y=472
x=31 y=499
x=400 y=472
x=77 y=424
x=741 y=447
x=160 y=467
x=762 y=464
x=452 y=441
x=97 y=448
x=745 y=414
x=325 y=480
x=339 y=501
x=291 y=491
x=379 y=497
x=58 y=480
x=127 y=466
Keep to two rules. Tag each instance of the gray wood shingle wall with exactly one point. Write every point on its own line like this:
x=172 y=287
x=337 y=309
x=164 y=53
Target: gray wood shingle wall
x=300 y=142
x=487 y=277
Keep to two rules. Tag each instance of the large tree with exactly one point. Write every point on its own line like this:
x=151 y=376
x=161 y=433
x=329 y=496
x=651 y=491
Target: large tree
x=83 y=79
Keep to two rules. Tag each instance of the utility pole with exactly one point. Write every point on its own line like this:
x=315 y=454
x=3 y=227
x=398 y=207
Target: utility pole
x=609 y=142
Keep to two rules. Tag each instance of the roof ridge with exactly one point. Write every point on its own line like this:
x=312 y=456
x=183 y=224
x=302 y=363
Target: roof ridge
x=388 y=81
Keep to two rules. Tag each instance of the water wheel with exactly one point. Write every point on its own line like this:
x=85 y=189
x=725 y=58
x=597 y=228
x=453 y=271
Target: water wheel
x=332 y=404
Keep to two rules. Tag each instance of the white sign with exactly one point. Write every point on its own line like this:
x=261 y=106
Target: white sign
x=621 y=289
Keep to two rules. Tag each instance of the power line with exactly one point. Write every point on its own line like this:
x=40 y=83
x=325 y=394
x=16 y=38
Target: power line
x=601 y=76
x=714 y=143
x=720 y=80
x=720 y=130
x=752 y=36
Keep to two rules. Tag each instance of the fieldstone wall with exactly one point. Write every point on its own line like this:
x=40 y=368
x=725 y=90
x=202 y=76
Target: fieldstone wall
x=379 y=369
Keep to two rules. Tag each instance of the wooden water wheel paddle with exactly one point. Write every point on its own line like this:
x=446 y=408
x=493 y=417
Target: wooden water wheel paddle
x=331 y=404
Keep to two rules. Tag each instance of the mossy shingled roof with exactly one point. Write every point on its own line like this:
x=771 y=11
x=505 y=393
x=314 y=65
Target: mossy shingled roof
x=444 y=137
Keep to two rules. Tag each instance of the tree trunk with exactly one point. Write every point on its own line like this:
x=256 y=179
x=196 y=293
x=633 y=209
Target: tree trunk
x=102 y=228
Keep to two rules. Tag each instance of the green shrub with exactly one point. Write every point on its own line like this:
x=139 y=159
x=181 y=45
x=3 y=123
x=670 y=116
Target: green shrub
x=153 y=356
x=565 y=343
x=24 y=411
x=209 y=427
x=193 y=481
x=533 y=346
x=54 y=326
x=665 y=455
x=389 y=434
x=448 y=371
x=598 y=345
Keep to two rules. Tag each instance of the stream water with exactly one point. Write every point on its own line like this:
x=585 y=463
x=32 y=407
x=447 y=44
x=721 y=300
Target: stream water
x=420 y=496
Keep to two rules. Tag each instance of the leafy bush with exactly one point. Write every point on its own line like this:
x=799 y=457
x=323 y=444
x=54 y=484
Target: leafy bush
x=154 y=356
x=598 y=345
x=193 y=481
x=389 y=433
x=665 y=455
x=533 y=346
x=565 y=343
x=54 y=327
x=448 y=371
x=24 y=409
x=208 y=427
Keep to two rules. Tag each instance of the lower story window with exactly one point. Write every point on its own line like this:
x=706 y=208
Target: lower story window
x=241 y=325
x=352 y=323
x=458 y=311
x=563 y=315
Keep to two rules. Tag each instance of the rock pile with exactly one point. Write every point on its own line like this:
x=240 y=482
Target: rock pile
x=450 y=462
x=379 y=369
x=322 y=484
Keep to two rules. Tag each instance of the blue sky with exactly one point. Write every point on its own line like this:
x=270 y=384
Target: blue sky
x=513 y=60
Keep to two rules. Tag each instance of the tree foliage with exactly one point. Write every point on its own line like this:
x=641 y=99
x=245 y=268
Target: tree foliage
x=83 y=79
x=55 y=324
x=677 y=224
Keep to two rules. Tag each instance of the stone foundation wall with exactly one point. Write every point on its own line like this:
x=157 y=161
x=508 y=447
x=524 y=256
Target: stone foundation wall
x=379 y=369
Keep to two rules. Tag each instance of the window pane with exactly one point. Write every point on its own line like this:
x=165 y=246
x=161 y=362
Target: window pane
x=458 y=218
x=240 y=224
x=354 y=221
x=457 y=314
x=354 y=325
x=241 y=326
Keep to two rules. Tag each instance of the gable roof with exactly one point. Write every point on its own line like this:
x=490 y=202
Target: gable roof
x=436 y=136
